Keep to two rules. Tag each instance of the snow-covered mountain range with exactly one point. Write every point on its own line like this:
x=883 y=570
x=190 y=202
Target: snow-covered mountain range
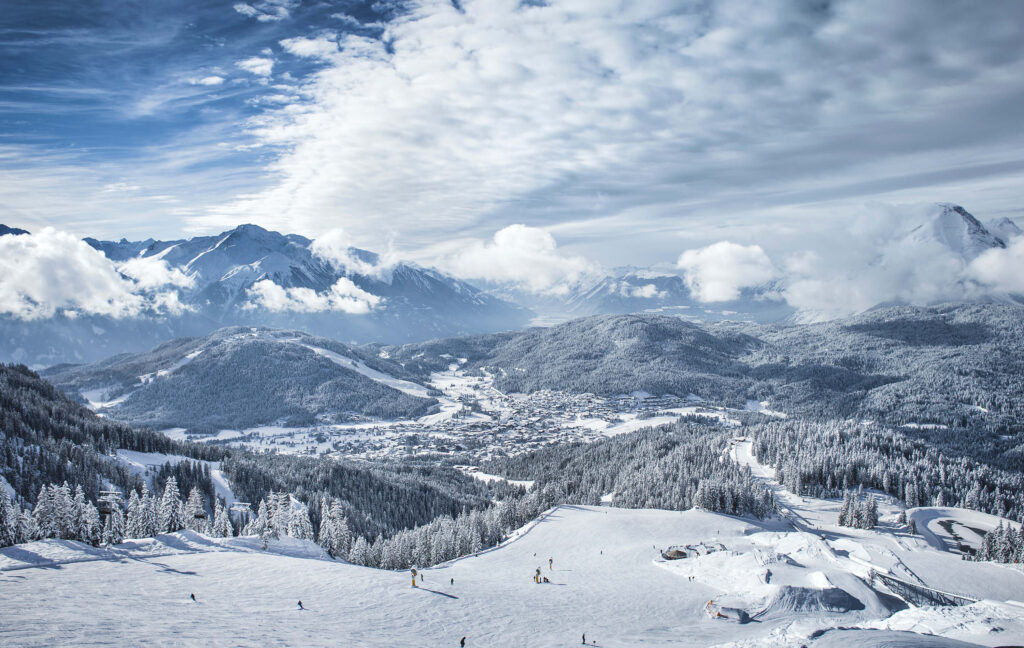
x=254 y=277
x=944 y=229
x=250 y=276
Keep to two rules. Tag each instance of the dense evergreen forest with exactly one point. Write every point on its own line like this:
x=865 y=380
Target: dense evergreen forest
x=46 y=438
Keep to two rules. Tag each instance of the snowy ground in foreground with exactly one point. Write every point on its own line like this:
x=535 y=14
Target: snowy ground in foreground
x=803 y=579
x=608 y=581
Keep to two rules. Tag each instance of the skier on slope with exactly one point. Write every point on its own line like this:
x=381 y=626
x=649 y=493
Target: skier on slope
x=551 y=563
x=463 y=642
x=300 y=606
x=192 y=596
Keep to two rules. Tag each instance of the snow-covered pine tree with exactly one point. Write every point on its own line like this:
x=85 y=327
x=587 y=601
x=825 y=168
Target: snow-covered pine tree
x=342 y=534
x=195 y=512
x=44 y=515
x=171 y=514
x=9 y=518
x=92 y=529
x=280 y=507
x=221 y=522
x=134 y=523
x=358 y=555
x=846 y=511
x=299 y=525
x=28 y=530
x=871 y=520
x=150 y=513
x=264 y=525
x=326 y=537
x=66 y=510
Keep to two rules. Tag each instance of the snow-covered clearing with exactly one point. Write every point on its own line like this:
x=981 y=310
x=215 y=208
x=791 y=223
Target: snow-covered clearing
x=146 y=464
x=486 y=478
x=98 y=399
x=608 y=580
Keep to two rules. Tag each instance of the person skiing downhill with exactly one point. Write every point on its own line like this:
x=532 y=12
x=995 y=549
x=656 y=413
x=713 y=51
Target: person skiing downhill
x=551 y=563
x=463 y=642
x=300 y=606
x=192 y=596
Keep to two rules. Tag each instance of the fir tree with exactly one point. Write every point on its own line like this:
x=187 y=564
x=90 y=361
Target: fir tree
x=9 y=520
x=264 y=525
x=92 y=529
x=221 y=522
x=171 y=515
x=299 y=526
x=134 y=526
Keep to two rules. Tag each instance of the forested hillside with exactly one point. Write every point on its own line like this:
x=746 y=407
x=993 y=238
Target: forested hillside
x=958 y=366
x=45 y=438
x=238 y=378
x=955 y=365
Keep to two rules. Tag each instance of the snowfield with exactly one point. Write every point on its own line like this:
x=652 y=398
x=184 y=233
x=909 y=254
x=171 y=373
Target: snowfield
x=608 y=580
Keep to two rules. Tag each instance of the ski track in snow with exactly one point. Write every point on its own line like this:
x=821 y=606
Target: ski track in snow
x=608 y=580
x=404 y=386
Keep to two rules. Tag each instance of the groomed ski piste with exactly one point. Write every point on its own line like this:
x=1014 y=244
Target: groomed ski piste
x=792 y=581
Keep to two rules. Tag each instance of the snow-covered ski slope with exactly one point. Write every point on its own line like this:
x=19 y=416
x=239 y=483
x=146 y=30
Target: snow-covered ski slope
x=608 y=580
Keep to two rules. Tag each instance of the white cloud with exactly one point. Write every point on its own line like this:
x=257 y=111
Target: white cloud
x=267 y=10
x=50 y=271
x=344 y=296
x=258 y=65
x=321 y=47
x=894 y=253
x=647 y=291
x=150 y=273
x=335 y=247
x=526 y=257
x=211 y=80
x=1001 y=270
x=635 y=113
x=719 y=271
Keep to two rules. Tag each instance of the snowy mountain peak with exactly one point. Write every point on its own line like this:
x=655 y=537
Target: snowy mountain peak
x=955 y=228
x=11 y=230
x=1004 y=228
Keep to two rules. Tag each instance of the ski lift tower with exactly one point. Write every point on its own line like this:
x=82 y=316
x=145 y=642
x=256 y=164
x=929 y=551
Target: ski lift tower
x=108 y=502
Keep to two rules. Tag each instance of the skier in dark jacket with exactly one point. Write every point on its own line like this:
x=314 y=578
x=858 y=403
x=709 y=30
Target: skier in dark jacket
x=192 y=596
x=463 y=642
x=300 y=606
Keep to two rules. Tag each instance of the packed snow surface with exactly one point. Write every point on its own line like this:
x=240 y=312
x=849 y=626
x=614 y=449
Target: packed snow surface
x=608 y=580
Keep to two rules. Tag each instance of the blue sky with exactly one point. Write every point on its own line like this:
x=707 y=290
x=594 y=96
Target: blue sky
x=616 y=132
